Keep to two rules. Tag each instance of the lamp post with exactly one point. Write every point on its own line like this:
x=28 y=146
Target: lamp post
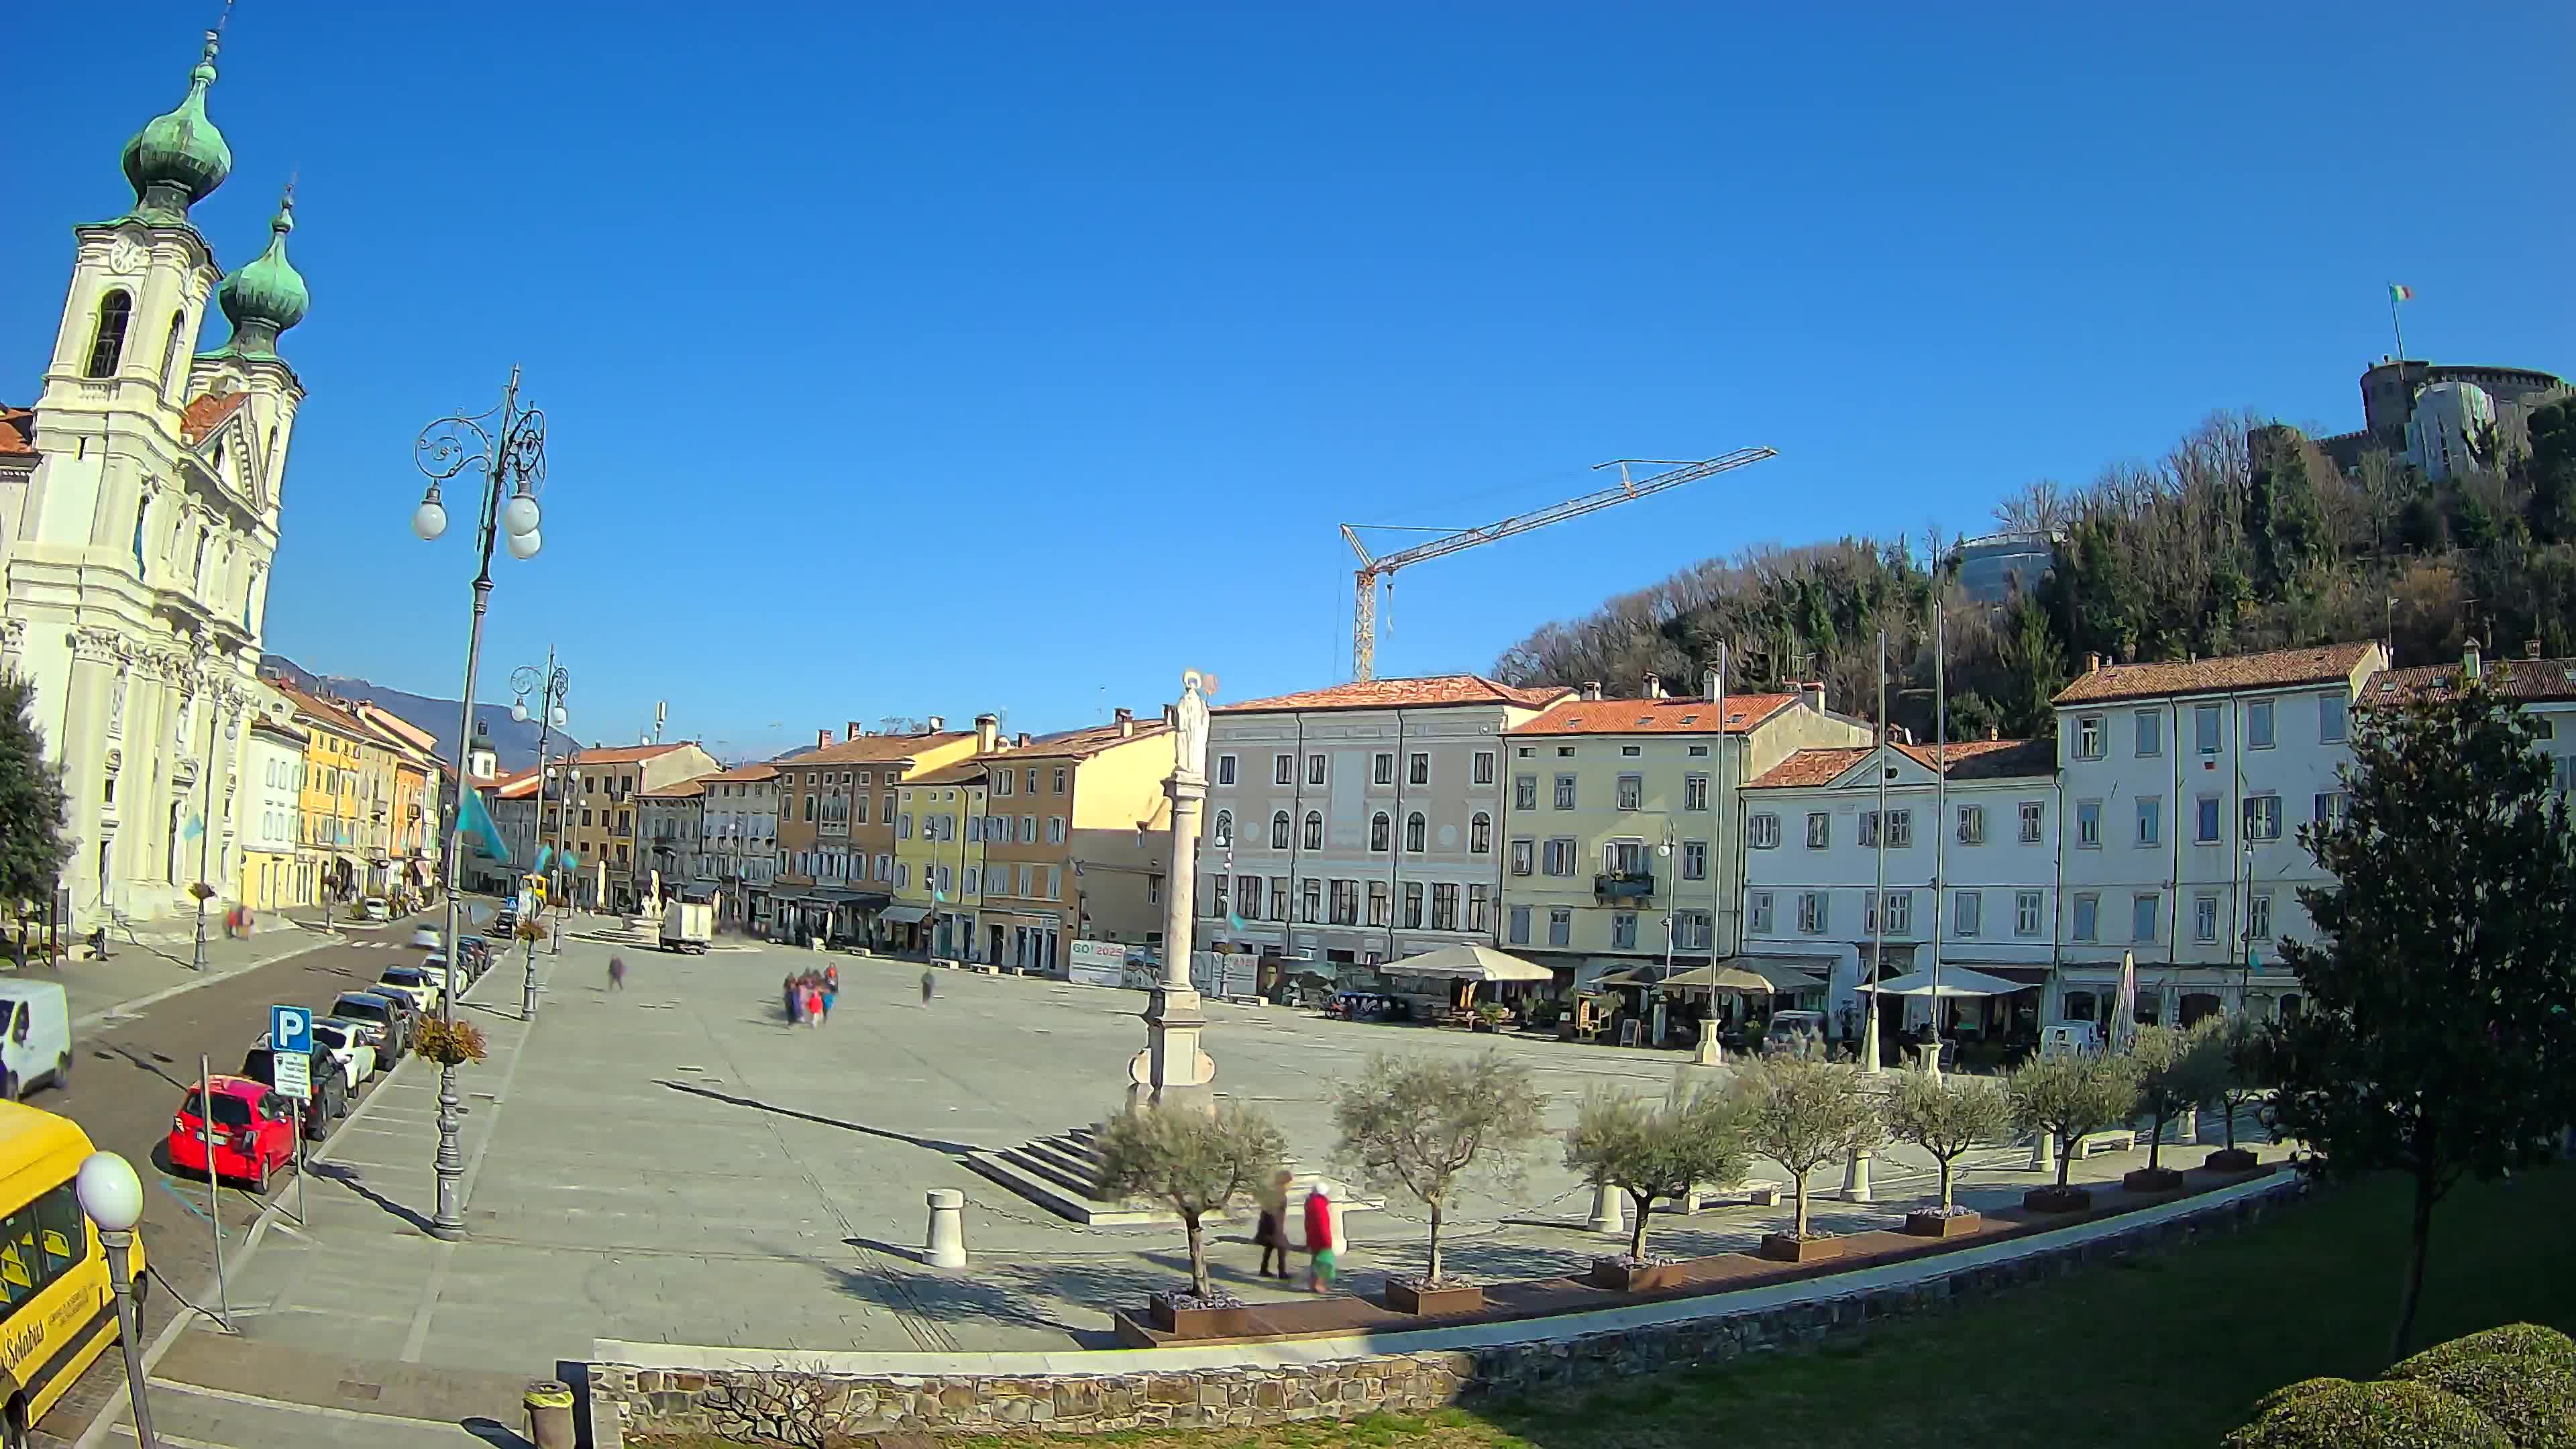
x=508 y=447
x=549 y=685
x=113 y=1197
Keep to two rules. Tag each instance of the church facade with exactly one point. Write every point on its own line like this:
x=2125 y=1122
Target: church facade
x=134 y=574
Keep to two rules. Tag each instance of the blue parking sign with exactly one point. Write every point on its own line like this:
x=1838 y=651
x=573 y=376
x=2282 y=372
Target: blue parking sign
x=290 y=1028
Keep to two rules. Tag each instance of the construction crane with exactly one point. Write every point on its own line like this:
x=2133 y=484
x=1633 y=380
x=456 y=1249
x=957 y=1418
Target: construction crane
x=1374 y=568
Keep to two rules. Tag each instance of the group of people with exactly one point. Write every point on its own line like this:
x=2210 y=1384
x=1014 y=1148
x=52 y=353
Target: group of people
x=1324 y=1263
x=809 y=997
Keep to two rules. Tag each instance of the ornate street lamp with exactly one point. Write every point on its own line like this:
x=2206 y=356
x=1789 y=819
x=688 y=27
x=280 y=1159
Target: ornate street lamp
x=549 y=685
x=508 y=447
x=112 y=1195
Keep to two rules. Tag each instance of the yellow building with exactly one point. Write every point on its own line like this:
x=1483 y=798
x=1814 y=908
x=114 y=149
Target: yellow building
x=332 y=841
x=413 y=825
x=837 y=807
x=939 y=858
x=1077 y=841
x=599 y=827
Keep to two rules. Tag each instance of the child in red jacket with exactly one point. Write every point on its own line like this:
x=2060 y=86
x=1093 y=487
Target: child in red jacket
x=1320 y=1241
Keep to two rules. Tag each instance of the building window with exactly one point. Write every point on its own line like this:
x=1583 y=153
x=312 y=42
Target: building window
x=1478 y=898
x=1283 y=771
x=1484 y=769
x=1694 y=860
x=2034 y=820
x=2258 y=725
x=2088 y=912
x=2331 y=710
x=2258 y=916
x=107 y=341
x=1525 y=792
x=1413 y=905
x=1623 y=930
x=1632 y=792
x=1869 y=834
x=1565 y=792
x=1900 y=829
x=2151 y=819
x=1224 y=826
x=1381 y=832
x=1820 y=830
x=2151 y=733
x=2204 y=918
x=1217 y=908
x=1382 y=768
x=1310 y=904
x=1377 y=903
x=1346 y=903
x=2204 y=728
x=1279 y=830
x=2142 y=917
x=1279 y=898
x=1314 y=830
x=1524 y=857
x=1518 y=926
x=1055 y=829
x=1560 y=926
x=1480 y=834
x=1813 y=915
x=1224 y=773
x=1560 y=857
x=2332 y=808
x=1900 y=914
x=2088 y=737
x=1972 y=825
x=2088 y=824
x=1416 y=829
x=1757 y=909
x=2027 y=906
x=1694 y=792
x=1063 y=780
x=2262 y=817
x=1967 y=913
x=1763 y=832
x=1314 y=769
x=2204 y=823
x=1417 y=770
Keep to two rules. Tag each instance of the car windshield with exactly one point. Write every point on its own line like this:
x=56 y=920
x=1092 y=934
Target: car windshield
x=360 y=1006
x=406 y=975
x=230 y=1111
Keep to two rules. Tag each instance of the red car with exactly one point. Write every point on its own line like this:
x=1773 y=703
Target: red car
x=254 y=1132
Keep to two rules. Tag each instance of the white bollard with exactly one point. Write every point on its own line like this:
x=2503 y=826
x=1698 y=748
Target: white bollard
x=2043 y=1151
x=947 y=1245
x=1609 y=1210
x=1856 y=1178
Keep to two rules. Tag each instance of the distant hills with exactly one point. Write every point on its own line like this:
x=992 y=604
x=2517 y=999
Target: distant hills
x=515 y=743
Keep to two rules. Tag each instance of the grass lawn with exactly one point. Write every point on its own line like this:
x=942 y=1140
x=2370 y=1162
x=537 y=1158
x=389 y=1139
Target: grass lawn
x=2169 y=1349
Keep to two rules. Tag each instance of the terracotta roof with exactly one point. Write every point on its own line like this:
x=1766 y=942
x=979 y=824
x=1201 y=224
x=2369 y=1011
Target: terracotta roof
x=331 y=715
x=17 y=428
x=1689 y=715
x=516 y=785
x=964 y=772
x=2281 y=668
x=626 y=754
x=875 y=749
x=1812 y=767
x=1435 y=689
x=1082 y=744
x=1968 y=760
x=744 y=774
x=2523 y=679
x=206 y=413
x=681 y=790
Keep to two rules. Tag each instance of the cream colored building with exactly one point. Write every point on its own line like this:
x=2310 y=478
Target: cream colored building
x=138 y=565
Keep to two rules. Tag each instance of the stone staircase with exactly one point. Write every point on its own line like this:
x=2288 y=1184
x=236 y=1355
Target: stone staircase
x=1058 y=1173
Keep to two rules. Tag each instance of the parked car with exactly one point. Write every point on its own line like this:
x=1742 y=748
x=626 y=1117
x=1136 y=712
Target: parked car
x=505 y=922
x=424 y=938
x=371 y=1035
x=394 y=1013
x=35 y=1036
x=2070 y=1038
x=253 y=1131
x=421 y=984
x=1794 y=1031
x=329 y=1087
x=350 y=1047
x=474 y=955
x=375 y=909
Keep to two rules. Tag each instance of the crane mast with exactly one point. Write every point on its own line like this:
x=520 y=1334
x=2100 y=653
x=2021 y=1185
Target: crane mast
x=1374 y=567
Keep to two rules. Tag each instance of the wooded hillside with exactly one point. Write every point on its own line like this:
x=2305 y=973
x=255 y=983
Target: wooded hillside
x=2242 y=537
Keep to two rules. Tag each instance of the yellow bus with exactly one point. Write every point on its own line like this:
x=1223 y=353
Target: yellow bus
x=57 y=1312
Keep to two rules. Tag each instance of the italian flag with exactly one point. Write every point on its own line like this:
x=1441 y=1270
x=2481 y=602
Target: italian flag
x=2398 y=292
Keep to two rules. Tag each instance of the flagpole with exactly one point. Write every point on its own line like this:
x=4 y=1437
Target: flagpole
x=1940 y=805
x=2399 y=328
x=1878 y=902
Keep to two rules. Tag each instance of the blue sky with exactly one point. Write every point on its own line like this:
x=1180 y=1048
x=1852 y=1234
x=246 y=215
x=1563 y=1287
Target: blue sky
x=930 y=359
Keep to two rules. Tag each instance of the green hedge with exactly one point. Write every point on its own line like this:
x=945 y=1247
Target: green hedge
x=2340 y=1414
x=2506 y=1388
x=2521 y=1376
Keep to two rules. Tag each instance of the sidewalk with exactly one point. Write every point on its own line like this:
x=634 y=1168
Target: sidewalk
x=135 y=975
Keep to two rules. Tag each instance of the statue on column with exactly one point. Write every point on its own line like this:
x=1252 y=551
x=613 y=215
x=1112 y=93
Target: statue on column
x=1190 y=745
x=1172 y=1066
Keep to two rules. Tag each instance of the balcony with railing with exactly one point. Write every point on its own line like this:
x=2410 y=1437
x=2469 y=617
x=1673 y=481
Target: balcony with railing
x=1624 y=885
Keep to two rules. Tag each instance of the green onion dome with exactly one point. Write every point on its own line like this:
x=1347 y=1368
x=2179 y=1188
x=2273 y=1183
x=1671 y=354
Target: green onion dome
x=176 y=159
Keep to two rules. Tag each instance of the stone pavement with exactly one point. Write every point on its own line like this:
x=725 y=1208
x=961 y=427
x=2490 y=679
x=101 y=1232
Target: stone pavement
x=675 y=1163
x=139 y=972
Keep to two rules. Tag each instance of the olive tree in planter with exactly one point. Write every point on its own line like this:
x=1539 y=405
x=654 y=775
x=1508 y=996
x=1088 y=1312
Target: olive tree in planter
x=2171 y=1069
x=1195 y=1162
x=1421 y=1125
x=1947 y=1116
x=1803 y=1112
x=2066 y=1096
x=2238 y=1074
x=1652 y=1153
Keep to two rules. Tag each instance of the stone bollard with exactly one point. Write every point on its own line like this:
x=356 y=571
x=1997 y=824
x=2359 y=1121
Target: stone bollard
x=947 y=1245
x=1710 y=1053
x=2187 y=1130
x=1609 y=1210
x=1856 y=1178
x=550 y=1414
x=2043 y=1151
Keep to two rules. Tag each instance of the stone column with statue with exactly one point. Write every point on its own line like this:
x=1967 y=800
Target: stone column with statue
x=1173 y=1067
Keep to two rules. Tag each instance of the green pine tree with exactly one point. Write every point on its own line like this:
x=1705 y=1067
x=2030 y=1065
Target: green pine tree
x=33 y=849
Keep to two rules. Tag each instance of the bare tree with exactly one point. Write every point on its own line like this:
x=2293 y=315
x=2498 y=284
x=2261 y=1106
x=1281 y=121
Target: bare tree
x=1423 y=1124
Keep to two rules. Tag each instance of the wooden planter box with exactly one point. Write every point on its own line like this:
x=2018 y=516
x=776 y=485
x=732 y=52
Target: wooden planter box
x=2231 y=1159
x=2151 y=1179
x=1448 y=1298
x=2057 y=1200
x=1783 y=1248
x=1934 y=1225
x=1198 y=1322
x=1620 y=1277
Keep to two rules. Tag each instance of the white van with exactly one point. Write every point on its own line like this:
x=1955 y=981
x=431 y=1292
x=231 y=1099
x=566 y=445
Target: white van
x=2070 y=1038
x=35 y=1036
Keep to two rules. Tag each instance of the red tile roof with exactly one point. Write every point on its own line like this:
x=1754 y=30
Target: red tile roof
x=332 y=716
x=207 y=413
x=964 y=772
x=1429 y=690
x=2523 y=679
x=17 y=428
x=1812 y=767
x=626 y=754
x=680 y=790
x=1967 y=760
x=746 y=774
x=873 y=749
x=1688 y=715
x=1082 y=744
x=2279 y=669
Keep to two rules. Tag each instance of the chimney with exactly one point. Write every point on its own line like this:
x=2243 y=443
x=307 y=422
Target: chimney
x=934 y=724
x=1591 y=690
x=1710 y=682
x=2530 y=648
x=2470 y=667
x=1654 y=685
x=2092 y=662
x=1023 y=741
x=852 y=730
x=1814 y=695
x=1126 y=722
x=988 y=732
x=822 y=739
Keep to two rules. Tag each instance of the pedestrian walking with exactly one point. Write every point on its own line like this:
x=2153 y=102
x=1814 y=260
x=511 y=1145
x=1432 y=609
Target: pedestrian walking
x=831 y=978
x=616 y=973
x=787 y=997
x=813 y=1006
x=1272 y=1232
x=928 y=982
x=1320 y=1241
x=829 y=993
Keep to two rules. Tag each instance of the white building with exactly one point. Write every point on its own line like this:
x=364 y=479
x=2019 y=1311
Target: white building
x=1970 y=870
x=1294 y=784
x=739 y=861
x=135 y=581
x=670 y=829
x=2184 y=785
x=272 y=810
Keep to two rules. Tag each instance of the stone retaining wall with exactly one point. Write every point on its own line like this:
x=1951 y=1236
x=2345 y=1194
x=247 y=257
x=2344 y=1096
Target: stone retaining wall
x=811 y=1405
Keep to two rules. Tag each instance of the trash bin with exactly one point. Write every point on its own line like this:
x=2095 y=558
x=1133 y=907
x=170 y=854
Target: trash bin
x=550 y=1414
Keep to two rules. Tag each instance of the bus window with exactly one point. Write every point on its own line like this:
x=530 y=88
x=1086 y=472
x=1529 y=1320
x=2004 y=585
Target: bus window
x=43 y=1240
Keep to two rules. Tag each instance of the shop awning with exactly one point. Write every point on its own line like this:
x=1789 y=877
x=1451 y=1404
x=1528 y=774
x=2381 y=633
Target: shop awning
x=904 y=915
x=1955 y=981
x=1785 y=973
x=1468 y=963
x=1715 y=977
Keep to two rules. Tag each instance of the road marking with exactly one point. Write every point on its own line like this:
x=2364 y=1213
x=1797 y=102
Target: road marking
x=127 y=1430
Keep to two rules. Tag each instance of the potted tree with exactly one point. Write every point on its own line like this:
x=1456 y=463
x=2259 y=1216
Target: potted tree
x=2239 y=1072
x=2175 y=1073
x=2067 y=1096
x=1194 y=1162
x=1803 y=1112
x=1946 y=1116
x=1651 y=1154
x=1421 y=1126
